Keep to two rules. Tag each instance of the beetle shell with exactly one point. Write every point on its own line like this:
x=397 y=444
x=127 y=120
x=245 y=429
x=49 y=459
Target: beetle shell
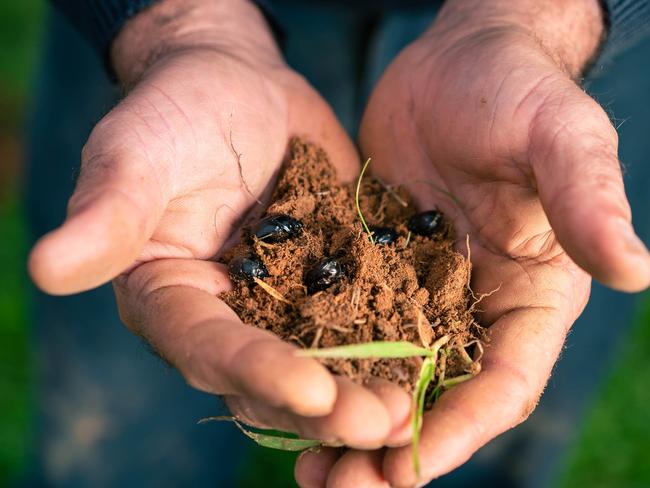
x=383 y=235
x=247 y=268
x=277 y=228
x=323 y=275
x=425 y=223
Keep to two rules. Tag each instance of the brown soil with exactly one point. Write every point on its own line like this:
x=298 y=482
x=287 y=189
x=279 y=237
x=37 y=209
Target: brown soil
x=415 y=289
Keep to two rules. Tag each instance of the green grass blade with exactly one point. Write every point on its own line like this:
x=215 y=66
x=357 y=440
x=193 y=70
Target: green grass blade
x=282 y=441
x=427 y=372
x=279 y=442
x=446 y=385
x=451 y=382
x=377 y=349
x=356 y=198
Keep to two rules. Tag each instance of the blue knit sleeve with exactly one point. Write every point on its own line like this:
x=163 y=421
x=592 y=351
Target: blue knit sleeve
x=628 y=21
x=100 y=20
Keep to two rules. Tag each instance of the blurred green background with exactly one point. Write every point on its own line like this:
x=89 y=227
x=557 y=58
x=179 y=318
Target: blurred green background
x=611 y=451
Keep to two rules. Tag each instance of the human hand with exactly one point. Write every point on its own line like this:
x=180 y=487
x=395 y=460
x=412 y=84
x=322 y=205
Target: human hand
x=168 y=175
x=483 y=107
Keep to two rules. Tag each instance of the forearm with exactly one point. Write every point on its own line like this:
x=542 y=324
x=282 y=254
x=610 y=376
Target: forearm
x=570 y=31
x=233 y=26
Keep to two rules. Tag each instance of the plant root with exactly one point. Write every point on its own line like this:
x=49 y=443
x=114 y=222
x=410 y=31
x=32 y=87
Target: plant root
x=239 y=166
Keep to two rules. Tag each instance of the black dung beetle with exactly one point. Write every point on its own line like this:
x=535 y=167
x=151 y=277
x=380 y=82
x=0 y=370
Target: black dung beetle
x=324 y=274
x=277 y=228
x=425 y=223
x=247 y=268
x=383 y=235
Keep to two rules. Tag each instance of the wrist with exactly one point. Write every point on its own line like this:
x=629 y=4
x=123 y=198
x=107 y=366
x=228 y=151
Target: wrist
x=568 y=31
x=235 y=27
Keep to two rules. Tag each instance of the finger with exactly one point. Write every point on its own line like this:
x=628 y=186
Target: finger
x=398 y=405
x=313 y=466
x=119 y=198
x=358 y=468
x=523 y=347
x=358 y=419
x=573 y=153
x=172 y=303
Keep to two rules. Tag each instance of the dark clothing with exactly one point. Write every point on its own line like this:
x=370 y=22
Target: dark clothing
x=99 y=21
x=628 y=21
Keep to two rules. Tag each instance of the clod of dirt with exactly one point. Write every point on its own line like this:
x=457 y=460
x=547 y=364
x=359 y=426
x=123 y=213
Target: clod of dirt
x=382 y=291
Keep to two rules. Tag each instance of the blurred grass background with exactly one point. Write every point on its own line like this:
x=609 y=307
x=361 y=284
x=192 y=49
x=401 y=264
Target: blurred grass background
x=612 y=450
x=20 y=25
x=614 y=447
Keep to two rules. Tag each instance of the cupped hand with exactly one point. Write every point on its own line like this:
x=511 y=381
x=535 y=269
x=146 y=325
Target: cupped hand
x=485 y=124
x=166 y=179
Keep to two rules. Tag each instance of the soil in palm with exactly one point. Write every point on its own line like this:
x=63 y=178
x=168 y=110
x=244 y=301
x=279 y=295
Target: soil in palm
x=415 y=289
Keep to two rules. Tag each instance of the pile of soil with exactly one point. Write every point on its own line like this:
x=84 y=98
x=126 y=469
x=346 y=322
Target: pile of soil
x=415 y=289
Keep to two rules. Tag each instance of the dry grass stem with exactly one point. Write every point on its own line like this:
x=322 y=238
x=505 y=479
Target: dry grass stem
x=317 y=336
x=392 y=192
x=469 y=266
x=354 y=301
x=338 y=328
x=464 y=355
x=356 y=198
x=457 y=380
x=425 y=331
x=442 y=365
x=435 y=347
x=408 y=239
x=271 y=291
x=263 y=244
x=298 y=341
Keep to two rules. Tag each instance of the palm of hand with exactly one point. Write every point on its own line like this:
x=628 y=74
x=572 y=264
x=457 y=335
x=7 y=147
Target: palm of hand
x=486 y=128
x=166 y=177
x=206 y=136
x=479 y=140
x=222 y=141
x=477 y=163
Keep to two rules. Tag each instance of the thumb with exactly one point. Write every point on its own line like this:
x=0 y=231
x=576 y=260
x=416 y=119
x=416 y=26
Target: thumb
x=573 y=154
x=115 y=208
